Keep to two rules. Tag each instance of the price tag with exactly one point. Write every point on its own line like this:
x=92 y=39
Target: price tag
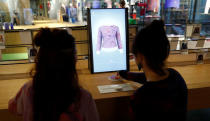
x=200 y=43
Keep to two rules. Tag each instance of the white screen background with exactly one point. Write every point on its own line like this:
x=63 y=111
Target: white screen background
x=105 y=62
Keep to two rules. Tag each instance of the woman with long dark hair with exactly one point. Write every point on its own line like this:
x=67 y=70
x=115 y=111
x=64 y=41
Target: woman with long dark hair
x=163 y=96
x=54 y=93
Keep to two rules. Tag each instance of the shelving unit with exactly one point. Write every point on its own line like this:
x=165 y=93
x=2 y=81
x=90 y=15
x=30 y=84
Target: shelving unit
x=17 y=43
x=19 y=46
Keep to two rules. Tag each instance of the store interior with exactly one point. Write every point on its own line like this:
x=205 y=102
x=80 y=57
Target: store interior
x=187 y=25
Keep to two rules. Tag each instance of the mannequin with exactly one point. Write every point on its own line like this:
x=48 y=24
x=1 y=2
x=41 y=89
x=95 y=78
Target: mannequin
x=153 y=5
x=207 y=8
x=79 y=13
x=109 y=3
x=69 y=12
x=73 y=13
x=63 y=12
x=15 y=18
x=63 y=9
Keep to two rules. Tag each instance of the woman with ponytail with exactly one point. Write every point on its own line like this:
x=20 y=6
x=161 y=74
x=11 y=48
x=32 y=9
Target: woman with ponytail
x=163 y=96
x=54 y=93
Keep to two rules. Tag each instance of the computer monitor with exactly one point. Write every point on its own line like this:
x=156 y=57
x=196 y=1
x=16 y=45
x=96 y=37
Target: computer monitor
x=108 y=35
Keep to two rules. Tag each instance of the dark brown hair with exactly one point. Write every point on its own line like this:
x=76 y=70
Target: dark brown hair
x=122 y=3
x=153 y=43
x=55 y=82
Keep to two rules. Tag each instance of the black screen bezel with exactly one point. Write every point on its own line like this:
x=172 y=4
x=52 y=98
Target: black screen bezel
x=90 y=59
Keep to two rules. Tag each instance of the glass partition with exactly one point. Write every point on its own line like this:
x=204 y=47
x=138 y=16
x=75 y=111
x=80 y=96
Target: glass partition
x=71 y=11
x=175 y=13
x=202 y=16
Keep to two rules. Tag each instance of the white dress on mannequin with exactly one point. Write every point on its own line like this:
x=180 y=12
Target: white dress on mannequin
x=207 y=8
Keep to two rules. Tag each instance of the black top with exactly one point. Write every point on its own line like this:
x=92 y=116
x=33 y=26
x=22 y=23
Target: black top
x=165 y=100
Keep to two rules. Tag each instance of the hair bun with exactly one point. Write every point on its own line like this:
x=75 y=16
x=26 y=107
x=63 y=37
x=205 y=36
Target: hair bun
x=159 y=23
x=42 y=36
x=56 y=39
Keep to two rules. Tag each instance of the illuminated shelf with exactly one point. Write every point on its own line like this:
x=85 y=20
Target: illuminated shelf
x=205 y=13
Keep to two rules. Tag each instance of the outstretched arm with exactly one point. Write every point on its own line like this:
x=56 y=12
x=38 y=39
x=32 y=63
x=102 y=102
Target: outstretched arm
x=133 y=76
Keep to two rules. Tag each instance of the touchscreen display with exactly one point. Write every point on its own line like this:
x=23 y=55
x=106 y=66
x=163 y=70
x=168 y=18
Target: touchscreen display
x=108 y=39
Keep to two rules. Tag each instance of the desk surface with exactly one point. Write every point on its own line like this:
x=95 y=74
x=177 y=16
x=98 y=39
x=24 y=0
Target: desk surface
x=196 y=76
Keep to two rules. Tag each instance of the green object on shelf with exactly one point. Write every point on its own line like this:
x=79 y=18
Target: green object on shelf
x=14 y=56
x=132 y=21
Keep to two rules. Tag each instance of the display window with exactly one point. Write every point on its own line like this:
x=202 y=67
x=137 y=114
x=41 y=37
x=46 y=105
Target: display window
x=32 y=15
x=202 y=16
x=25 y=12
x=175 y=14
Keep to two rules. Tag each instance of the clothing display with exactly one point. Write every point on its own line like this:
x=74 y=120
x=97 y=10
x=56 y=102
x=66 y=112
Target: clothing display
x=172 y=3
x=153 y=5
x=28 y=16
x=96 y=4
x=207 y=8
x=142 y=7
x=132 y=2
x=109 y=37
x=73 y=14
x=142 y=12
x=109 y=3
x=63 y=10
